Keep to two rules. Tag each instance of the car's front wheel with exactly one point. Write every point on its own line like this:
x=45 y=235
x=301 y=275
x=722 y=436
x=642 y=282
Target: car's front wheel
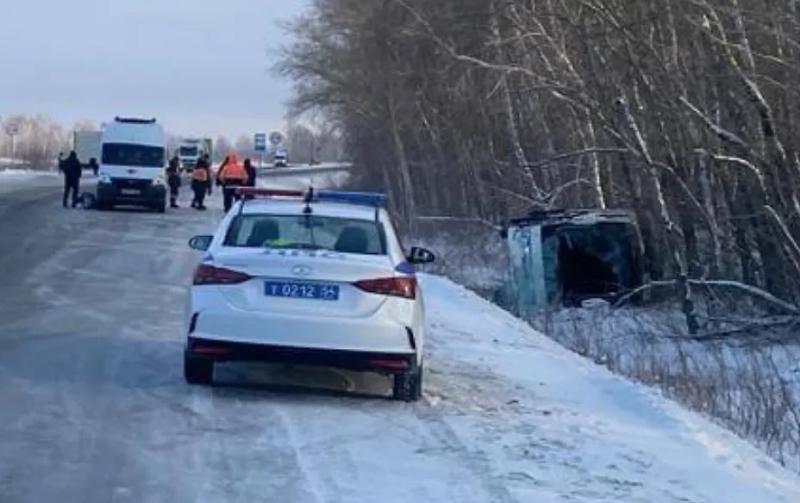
x=198 y=370
x=408 y=385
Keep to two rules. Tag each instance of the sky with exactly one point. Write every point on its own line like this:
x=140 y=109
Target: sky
x=202 y=67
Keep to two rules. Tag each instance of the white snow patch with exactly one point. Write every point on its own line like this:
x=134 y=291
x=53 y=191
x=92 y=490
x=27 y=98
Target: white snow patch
x=15 y=178
x=552 y=426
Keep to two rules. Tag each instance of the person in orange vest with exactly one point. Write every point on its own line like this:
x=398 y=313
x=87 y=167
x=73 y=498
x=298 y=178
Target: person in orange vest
x=231 y=175
x=201 y=183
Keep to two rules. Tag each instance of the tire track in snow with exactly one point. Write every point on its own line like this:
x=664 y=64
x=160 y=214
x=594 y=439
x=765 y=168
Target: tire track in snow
x=477 y=465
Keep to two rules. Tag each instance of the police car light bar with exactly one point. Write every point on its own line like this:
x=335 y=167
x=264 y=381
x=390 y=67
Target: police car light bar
x=371 y=199
x=257 y=192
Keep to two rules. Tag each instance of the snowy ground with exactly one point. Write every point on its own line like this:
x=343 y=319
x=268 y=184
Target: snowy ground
x=95 y=408
x=301 y=178
x=14 y=178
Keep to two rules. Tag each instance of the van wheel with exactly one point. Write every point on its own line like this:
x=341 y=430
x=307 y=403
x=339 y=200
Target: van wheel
x=199 y=371
x=408 y=385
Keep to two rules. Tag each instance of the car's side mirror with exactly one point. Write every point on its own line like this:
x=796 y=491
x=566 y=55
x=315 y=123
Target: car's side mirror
x=421 y=256
x=201 y=243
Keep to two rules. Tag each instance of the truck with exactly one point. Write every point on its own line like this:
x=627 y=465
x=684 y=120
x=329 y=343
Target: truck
x=280 y=158
x=191 y=150
x=133 y=158
x=88 y=146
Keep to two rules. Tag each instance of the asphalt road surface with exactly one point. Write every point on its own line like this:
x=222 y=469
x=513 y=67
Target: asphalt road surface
x=93 y=406
x=94 y=409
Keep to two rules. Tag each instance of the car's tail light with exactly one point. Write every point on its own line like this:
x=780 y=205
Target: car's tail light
x=390 y=363
x=405 y=286
x=210 y=275
x=202 y=349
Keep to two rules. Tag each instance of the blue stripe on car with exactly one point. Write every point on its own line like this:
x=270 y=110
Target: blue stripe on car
x=405 y=268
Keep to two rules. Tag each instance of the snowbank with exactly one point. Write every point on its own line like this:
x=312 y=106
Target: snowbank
x=549 y=425
x=16 y=178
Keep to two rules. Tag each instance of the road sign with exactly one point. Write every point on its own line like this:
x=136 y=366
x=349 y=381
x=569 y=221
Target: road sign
x=275 y=138
x=260 y=142
x=12 y=129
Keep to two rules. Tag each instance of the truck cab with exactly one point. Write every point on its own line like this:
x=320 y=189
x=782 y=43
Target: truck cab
x=132 y=165
x=189 y=153
x=280 y=158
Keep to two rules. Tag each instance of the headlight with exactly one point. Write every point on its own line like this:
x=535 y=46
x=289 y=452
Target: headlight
x=104 y=178
x=159 y=180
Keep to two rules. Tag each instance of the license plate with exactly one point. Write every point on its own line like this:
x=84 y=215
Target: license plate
x=131 y=192
x=295 y=290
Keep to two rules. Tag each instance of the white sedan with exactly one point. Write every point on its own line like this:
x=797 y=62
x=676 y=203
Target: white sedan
x=312 y=279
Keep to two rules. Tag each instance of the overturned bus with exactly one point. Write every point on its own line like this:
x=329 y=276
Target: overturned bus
x=564 y=257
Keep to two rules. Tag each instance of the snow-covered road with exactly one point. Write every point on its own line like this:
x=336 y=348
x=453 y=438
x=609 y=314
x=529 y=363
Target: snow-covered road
x=93 y=407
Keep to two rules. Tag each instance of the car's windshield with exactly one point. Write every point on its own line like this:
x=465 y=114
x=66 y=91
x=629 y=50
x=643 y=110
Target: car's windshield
x=188 y=151
x=122 y=154
x=307 y=232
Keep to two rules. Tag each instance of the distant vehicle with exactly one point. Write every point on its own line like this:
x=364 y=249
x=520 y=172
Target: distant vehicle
x=88 y=145
x=308 y=279
x=191 y=150
x=132 y=164
x=281 y=158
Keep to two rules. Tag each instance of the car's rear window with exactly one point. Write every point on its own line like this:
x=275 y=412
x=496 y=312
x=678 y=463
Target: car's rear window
x=307 y=232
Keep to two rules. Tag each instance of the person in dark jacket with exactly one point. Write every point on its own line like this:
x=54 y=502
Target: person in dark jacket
x=174 y=181
x=71 y=167
x=251 y=174
x=94 y=166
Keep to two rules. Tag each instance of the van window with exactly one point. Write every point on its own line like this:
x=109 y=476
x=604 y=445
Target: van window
x=123 y=154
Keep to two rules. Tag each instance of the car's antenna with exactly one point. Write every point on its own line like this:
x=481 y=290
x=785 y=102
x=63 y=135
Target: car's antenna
x=242 y=200
x=308 y=200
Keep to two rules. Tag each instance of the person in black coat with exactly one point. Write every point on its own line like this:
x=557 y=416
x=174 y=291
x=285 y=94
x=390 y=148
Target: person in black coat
x=251 y=174
x=71 y=167
x=174 y=181
x=94 y=166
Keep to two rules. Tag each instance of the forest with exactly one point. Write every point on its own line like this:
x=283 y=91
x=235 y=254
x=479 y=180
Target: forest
x=683 y=112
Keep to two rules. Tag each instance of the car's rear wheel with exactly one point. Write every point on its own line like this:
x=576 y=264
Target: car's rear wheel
x=198 y=371
x=408 y=385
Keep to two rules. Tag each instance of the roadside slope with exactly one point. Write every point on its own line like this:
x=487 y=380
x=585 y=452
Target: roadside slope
x=551 y=426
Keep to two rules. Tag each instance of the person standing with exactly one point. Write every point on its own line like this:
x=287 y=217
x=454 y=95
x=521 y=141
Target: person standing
x=209 y=167
x=251 y=174
x=174 y=181
x=94 y=166
x=71 y=167
x=230 y=176
x=201 y=183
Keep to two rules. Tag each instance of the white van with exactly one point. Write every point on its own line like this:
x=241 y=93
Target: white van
x=132 y=165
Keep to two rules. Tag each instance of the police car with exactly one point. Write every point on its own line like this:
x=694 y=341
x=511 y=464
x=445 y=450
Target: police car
x=310 y=278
